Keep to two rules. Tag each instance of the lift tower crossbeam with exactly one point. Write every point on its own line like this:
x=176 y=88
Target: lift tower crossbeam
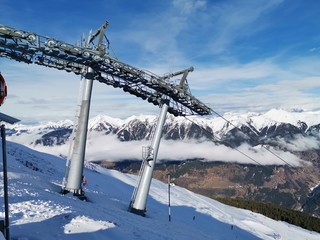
x=31 y=48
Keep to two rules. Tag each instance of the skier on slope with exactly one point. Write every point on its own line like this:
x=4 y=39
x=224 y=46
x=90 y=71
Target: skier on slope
x=84 y=181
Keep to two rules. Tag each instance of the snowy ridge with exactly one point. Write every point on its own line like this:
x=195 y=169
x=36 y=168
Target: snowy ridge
x=96 y=121
x=272 y=117
x=258 y=120
x=106 y=133
x=39 y=211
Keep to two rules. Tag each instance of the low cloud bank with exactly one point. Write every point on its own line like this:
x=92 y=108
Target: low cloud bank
x=109 y=148
x=300 y=143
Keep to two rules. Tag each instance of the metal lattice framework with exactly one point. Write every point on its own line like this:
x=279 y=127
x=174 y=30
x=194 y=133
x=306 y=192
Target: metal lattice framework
x=29 y=47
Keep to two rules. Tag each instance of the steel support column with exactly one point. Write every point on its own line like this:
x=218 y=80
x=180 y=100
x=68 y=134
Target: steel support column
x=78 y=152
x=139 y=199
x=5 y=183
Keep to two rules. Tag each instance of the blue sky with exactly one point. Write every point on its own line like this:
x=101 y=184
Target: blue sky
x=248 y=55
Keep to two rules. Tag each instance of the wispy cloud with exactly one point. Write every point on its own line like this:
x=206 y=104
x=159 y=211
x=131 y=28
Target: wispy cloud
x=300 y=143
x=231 y=21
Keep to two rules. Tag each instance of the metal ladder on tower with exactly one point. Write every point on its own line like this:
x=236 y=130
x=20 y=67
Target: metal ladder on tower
x=73 y=133
x=147 y=153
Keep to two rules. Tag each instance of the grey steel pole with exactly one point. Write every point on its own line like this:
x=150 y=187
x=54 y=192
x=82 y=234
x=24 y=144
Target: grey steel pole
x=138 y=203
x=78 y=152
x=169 y=204
x=5 y=183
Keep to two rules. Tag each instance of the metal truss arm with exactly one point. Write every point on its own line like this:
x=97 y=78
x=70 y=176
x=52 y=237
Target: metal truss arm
x=29 y=47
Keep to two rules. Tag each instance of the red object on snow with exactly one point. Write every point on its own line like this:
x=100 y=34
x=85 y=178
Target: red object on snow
x=3 y=89
x=84 y=181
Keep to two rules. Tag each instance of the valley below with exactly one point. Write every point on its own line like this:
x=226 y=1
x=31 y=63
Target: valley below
x=280 y=185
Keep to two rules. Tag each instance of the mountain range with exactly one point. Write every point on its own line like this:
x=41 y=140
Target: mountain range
x=262 y=128
x=275 y=138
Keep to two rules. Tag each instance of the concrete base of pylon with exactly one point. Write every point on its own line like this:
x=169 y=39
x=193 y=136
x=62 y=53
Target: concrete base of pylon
x=138 y=211
x=79 y=194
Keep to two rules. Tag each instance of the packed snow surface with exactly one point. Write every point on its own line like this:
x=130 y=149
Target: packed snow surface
x=39 y=211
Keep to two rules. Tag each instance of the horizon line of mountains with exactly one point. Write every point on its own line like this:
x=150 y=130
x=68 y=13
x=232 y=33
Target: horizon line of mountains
x=276 y=128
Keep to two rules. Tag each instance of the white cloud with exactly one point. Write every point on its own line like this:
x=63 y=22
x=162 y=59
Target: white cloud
x=36 y=93
x=189 y=6
x=300 y=143
x=258 y=86
x=315 y=50
x=109 y=148
x=230 y=21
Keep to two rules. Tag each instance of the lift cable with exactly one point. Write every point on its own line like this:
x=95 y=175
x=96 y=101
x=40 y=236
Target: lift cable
x=228 y=144
x=110 y=47
x=215 y=139
x=277 y=156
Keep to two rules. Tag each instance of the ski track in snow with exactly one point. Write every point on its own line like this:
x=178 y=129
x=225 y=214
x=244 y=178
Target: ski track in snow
x=39 y=211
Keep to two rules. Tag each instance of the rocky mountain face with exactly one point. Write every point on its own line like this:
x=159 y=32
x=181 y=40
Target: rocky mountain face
x=253 y=128
x=297 y=133
x=312 y=203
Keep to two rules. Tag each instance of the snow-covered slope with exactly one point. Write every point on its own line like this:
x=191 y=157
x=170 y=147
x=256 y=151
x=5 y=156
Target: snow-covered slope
x=39 y=211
